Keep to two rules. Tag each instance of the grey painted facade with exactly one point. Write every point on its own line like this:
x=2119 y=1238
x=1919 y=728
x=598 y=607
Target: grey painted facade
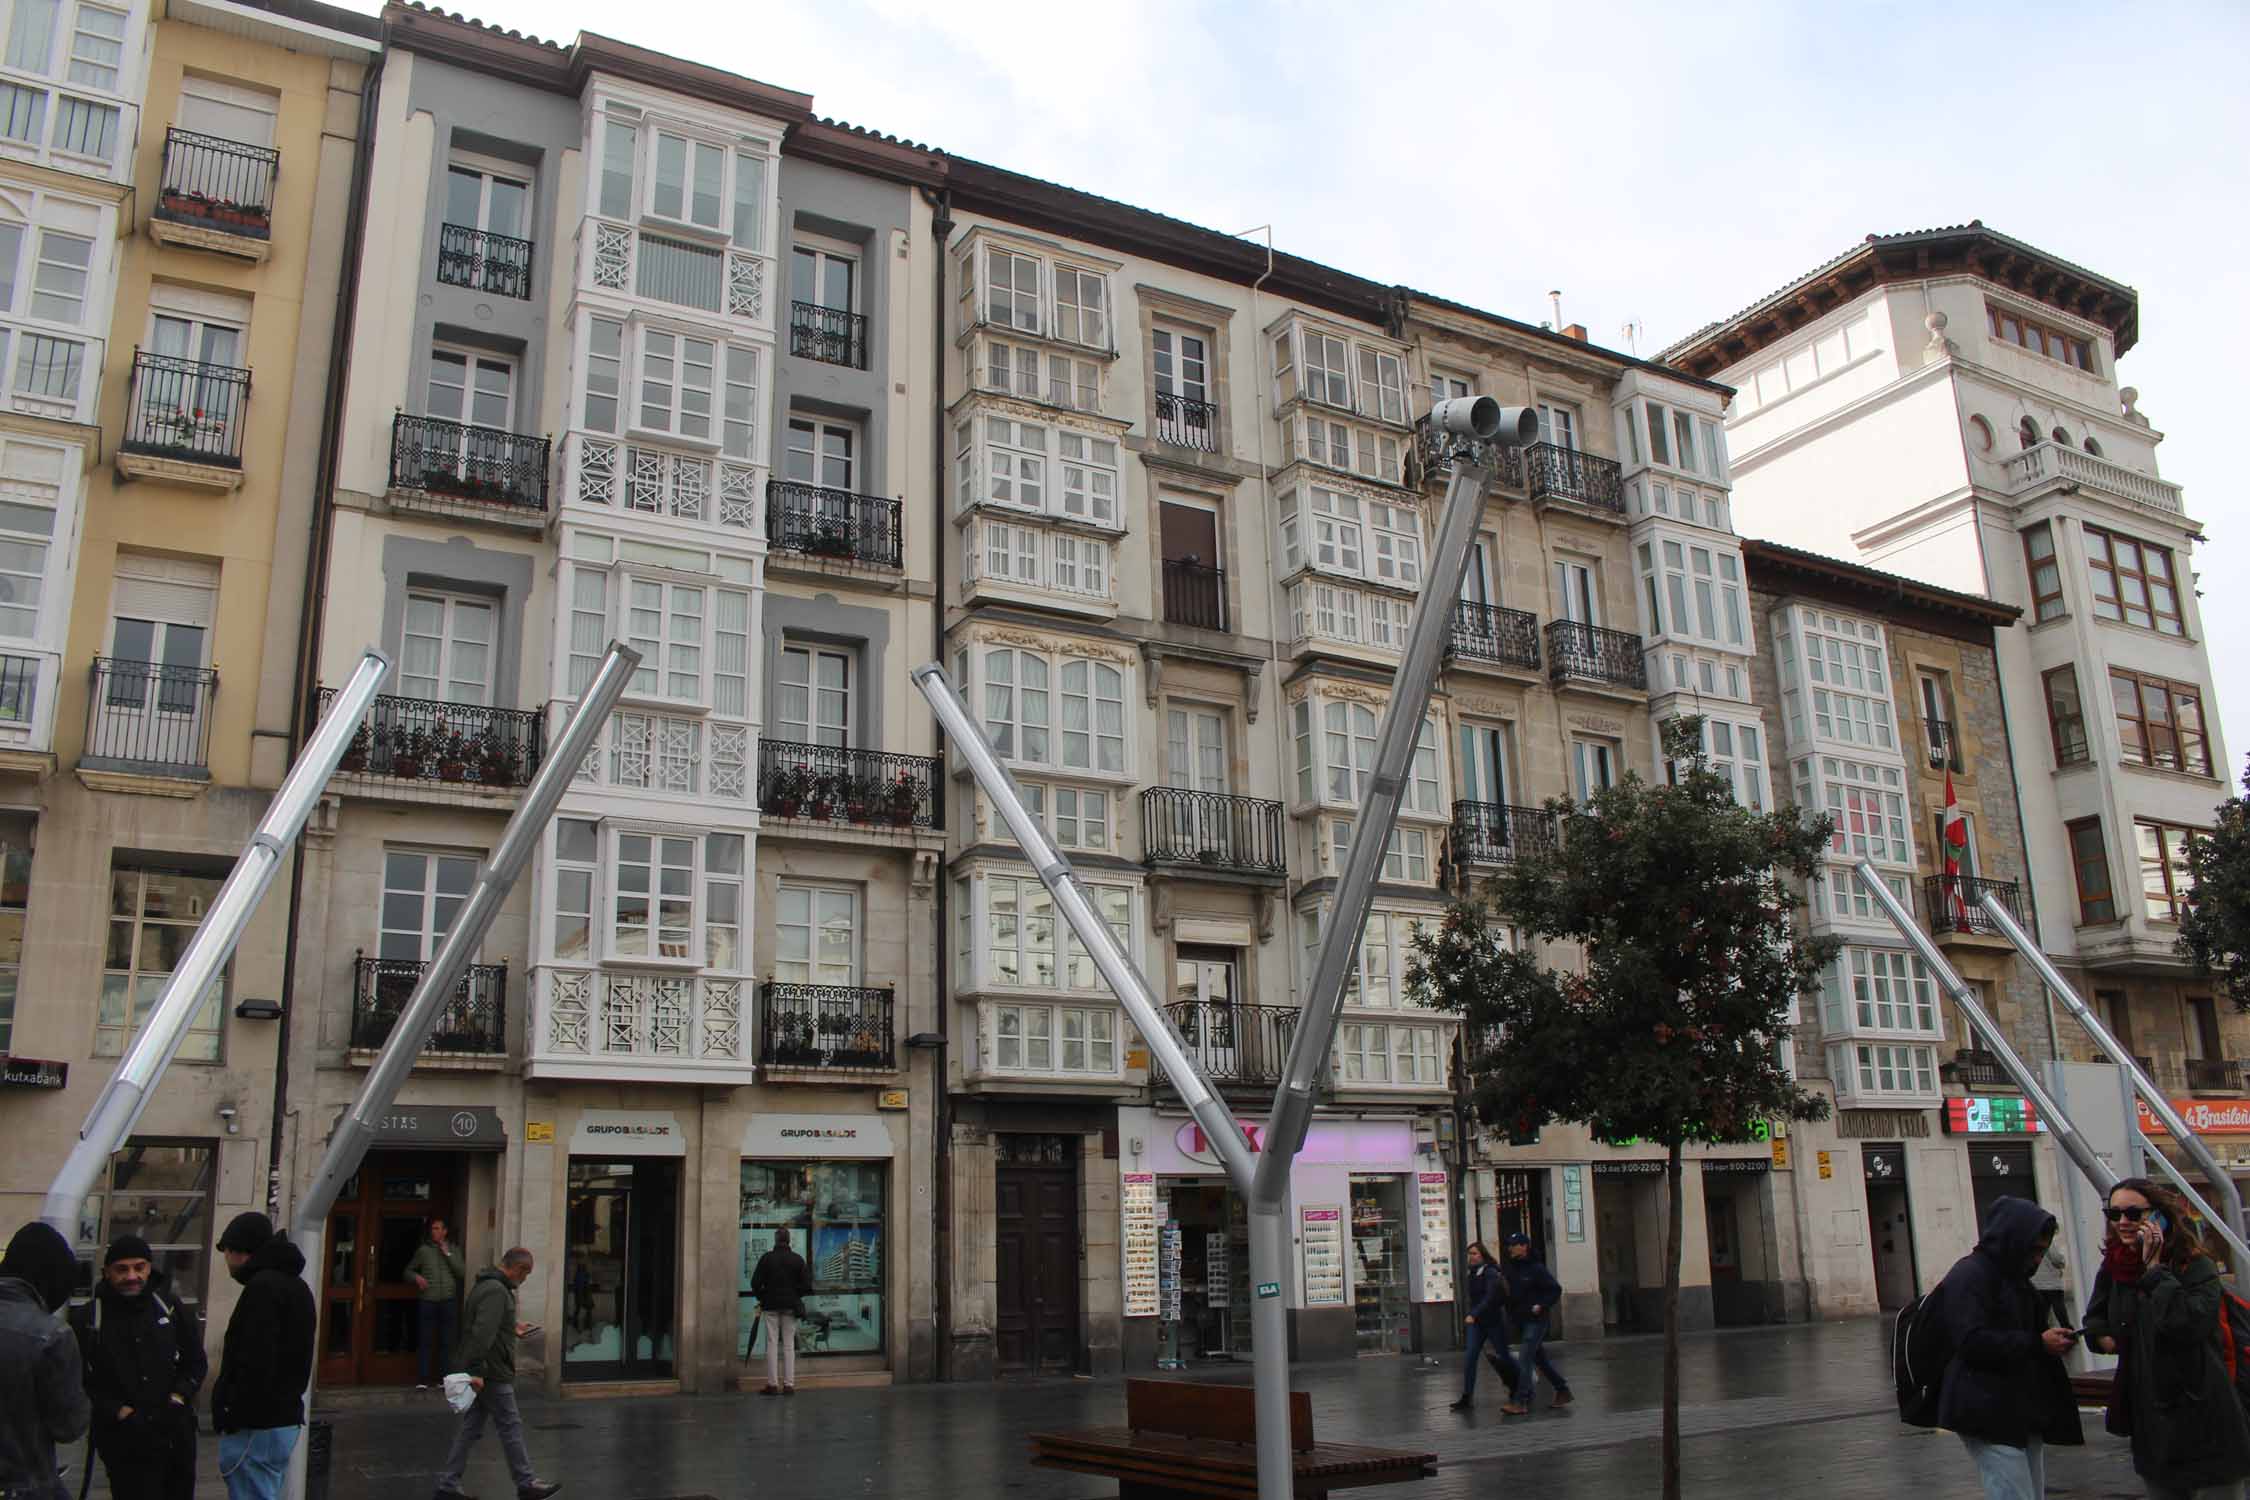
x=826 y=621
x=460 y=566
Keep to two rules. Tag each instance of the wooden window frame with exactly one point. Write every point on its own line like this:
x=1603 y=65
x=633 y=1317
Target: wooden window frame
x=2175 y=898
x=2091 y=898
x=2067 y=753
x=2117 y=576
x=2197 y=765
x=2041 y=338
x=2042 y=598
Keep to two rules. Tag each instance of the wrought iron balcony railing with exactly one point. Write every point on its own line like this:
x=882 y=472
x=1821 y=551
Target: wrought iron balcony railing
x=1235 y=1044
x=1976 y=1068
x=1185 y=422
x=1579 y=652
x=1954 y=903
x=479 y=464
x=483 y=261
x=186 y=410
x=472 y=1022
x=1195 y=594
x=150 y=716
x=1214 y=830
x=2214 y=1075
x=1941 y=741
x=824 y=1026
x=1437 y=449
x=834 y=784
x=821 y=522
x=1559 y=473
x=1487 y=833
x=1490 y=633
x=422 y=739
x=19 y=688
x=218 y=184
x=829 y=334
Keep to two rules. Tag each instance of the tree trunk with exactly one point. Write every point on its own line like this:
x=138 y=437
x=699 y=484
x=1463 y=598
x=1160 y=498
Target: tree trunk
x=1673 y=1211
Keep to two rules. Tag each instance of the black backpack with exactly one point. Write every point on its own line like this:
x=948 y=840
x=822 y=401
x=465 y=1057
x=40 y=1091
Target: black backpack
x=1920 y=1351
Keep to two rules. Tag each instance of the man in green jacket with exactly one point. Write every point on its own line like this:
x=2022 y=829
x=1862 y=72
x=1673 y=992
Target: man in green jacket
x=437 y=1274
x=487 y=1355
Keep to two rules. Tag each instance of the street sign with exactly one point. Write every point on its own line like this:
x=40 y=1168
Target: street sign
x=1269 y=1288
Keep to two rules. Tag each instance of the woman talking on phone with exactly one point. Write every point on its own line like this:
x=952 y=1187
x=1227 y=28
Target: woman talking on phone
x=2156 y=1306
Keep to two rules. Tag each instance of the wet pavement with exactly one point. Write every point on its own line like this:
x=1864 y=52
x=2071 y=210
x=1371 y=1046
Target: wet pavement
x=1796 y=1410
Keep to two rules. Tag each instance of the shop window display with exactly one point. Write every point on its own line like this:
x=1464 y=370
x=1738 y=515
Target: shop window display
x=834 y=1214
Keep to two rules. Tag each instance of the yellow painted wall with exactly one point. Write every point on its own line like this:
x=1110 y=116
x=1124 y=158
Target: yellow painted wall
x=234 y=529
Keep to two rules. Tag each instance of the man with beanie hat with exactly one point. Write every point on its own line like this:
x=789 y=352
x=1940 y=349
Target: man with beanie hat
x=42 y=1394
x=144 y=1363
x=258 y=1401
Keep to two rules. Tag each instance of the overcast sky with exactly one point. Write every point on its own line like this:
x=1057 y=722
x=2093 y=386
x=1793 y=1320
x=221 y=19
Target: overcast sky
x=1662 y=164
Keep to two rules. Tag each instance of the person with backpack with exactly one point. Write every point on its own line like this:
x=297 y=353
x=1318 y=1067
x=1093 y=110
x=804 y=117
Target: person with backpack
x=144 y=1365
x=2005 y=1390
x=2158 y=1305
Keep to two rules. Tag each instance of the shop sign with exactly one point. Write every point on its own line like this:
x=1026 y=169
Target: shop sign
x=2203 y=1116
x=538 y=1131
x=1731 y=1166
x=891 y=1099
x=1269 y=1289
x=1884 y=1163
x=32 y=1073
x=1644 y=1167
x=1137 y=1212
x=768 y=1136
x=2005 y=1115
x=1361 y=1143
x=473 y=1128
x=1881 y=1124
x=628 y=1132
x=1574 y=1203
x=1827 y=1167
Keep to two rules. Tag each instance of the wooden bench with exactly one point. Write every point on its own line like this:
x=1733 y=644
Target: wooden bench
x=1184 y=1438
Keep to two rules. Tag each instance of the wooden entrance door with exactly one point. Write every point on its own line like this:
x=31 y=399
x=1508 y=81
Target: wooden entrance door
x=1037 y=1236
x=369 y=1330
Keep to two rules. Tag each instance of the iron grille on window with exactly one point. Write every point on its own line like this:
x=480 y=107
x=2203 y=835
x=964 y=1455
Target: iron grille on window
x=484 y=261
x=480 y=464
x=831 y=335
x=186 y=410
x=824 y=1026
x=472 y=1021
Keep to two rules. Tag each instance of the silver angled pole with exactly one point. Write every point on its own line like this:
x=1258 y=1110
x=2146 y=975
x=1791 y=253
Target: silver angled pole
x=2230 y=1198
x=118 y=1107
x=355 y=1128
x=2066 y=1134
x=2187 y=1190
x=1116 y=965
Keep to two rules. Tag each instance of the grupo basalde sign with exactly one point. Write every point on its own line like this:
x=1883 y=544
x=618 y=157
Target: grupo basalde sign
x=2203 y=1116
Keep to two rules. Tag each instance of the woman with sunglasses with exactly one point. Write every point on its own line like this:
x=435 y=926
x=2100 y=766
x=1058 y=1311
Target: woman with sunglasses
x=2156 y=1306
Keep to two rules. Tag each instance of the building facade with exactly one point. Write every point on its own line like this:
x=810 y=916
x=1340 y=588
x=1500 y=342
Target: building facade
x=1952 y=399
x=170 y=183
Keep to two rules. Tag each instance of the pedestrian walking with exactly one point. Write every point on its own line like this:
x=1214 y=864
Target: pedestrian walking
x=1486 y=1295
x=258 y=1400
x=1532 y=1293
x=437 y=1274
x=42 y=1378
x=781 y=1283
x=487 y=1355
x=2159 y=1307
x=2054 y=1291
x=144 y=1363
x=2005 y=1390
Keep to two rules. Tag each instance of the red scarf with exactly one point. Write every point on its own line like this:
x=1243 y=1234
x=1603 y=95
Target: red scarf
x=2122 y=1260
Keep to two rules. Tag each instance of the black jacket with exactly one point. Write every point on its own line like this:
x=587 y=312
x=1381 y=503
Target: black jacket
x=42 y=1399
x=2002 y=1385
x=140 y=1352
x=2172 y=1394
x=782 y=1282
x=267 y=1361
x=1530 y=1285
x=1485 y=1296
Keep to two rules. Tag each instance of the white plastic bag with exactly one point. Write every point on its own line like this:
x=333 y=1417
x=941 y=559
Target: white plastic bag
x=459 y=1394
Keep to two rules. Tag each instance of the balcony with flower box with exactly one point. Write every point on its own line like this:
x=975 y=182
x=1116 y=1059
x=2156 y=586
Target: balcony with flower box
x=833 y=794
x=622 y=1024
x=215 y=195
x=468 y=473
x=826 y=1033
x=184 y=422
x=471 y=1032
x=833 y=533
x=454 y=754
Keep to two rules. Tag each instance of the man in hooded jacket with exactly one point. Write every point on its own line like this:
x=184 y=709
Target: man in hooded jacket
x=42 y=1394
x=258 y=1401
x=2005 y=1390
x=144 y=1364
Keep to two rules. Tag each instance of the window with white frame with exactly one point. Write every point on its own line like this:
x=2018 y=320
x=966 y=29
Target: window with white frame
x=816 y=934
x=1015 y=462
x=694 y=638
x=678 y=374
x=1027 y=946
x=447 y=642
x=1406 y=859
x=31 y=517
x=1011 y=289
x=822 y=453
x=1074 y=817
x=605 y=369
x=1558 y=424
x=1338 y=532
x=1845 y=678
x=488 y=196
x=1447 y=386
x=1059 y=711
x=1089 y=477
x=154 y=911
x=813 y=695
x=478 y=390
x=1382 y=385
x=1327 y=369
x=422 y=893
x=1081 y=565
x=1183 y=366
x=1593 y=765
x=705 y=184
x=1081 y=307
x=824 y=276
x=1048 y=376
x=1885 y=1070
x=1078 y=1039
x=1868 y=803
x=1879 y=989
x=1693 y=591
x=1394 y=534
x=673 y=896
x=1736 y=751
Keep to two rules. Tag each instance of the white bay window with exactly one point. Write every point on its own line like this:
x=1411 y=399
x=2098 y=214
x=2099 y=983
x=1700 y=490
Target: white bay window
x=646 y=894
x=1028 y=726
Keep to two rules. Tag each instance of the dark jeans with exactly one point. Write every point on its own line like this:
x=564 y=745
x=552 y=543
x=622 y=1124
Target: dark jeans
x=146 y=1463
x=1494 y=1349
x=1531 y=1362
x=433 y=1351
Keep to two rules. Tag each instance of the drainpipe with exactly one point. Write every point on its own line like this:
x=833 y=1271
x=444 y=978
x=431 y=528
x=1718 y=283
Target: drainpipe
x=313 y=613
x=941 y=1123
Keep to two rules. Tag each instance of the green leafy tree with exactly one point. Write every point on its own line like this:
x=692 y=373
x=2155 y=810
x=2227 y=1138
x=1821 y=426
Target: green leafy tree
x=2215 y=928
x=1675 y=899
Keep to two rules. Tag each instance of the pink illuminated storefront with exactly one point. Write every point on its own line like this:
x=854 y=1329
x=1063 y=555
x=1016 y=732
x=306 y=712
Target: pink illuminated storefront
x=1372 y=1242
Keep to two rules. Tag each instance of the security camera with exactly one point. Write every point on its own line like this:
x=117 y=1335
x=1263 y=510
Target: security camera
x=227 y=1113
x=1486 y=420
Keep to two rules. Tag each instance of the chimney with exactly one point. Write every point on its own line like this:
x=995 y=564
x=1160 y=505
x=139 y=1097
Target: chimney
x=1576 y=331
